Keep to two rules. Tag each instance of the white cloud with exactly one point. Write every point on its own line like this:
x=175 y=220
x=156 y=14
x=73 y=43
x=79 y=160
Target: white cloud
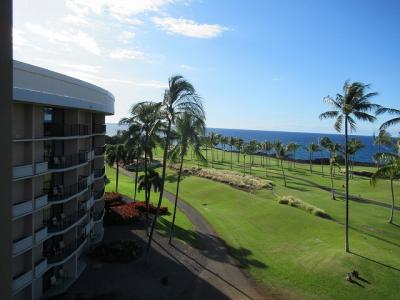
x=189 y=27
x=75 y=20
x=117 y=8
x=67 y=37
x=126 y=54
x=126 y=36
x=18 y=38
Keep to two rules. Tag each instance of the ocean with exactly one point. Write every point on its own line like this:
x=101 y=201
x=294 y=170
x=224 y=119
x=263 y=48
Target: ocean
x=365 y=155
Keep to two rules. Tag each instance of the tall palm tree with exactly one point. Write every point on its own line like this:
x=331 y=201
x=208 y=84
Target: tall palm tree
x=231 y=143
x=215 y=140
x=333 y=149
x=268 y=148
x=189 y=131
x=293 y=147
x=115 y=154
x=146 y=182
x=224 y=141
x=311 y=148
x=277 y=146
x=324 y=144
x=281 y=153
x=353 y=105
x=383 y=139
x=355 y=145
x=239 y=147
x=391 y=170
x=180 y=97
x=145 y=119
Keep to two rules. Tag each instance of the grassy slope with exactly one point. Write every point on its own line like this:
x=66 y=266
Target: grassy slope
x=293 y=250
x=125 y=187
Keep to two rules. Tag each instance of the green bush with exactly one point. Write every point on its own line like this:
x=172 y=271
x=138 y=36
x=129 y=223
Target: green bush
x=295 y=202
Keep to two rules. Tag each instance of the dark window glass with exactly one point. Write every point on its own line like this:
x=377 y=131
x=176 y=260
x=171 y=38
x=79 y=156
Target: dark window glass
x=48 y=115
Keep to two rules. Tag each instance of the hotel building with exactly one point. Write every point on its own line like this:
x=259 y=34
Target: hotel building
x=58 y=145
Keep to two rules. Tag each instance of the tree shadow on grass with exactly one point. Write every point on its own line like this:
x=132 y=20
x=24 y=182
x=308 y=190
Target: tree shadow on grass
x=213 y=247
x=376 y=262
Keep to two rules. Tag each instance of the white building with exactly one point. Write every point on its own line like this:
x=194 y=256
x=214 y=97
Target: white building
x=57 y=201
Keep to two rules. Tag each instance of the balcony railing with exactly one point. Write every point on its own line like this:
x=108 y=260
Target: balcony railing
x=22 y=171
x=40 y=267
x=61 y=252
x=22 y=280
x=61 y=221
x=97 y=216
x=22 y=208
x=61 y=192
x=99 y=128
x=22 y=244
x=100 y=150
x=41 y=201
x=41 y=235
x=98 y=194
x=99 y=172
x=66 y=161
x=52 y=130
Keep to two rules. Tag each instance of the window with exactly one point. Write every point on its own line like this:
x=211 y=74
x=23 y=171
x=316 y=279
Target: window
x=48 y=115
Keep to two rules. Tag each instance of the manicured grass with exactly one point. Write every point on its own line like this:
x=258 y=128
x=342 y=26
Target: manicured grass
x=294 y=251
x=184 y=229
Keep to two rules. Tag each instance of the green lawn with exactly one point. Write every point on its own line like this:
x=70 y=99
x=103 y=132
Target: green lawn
x=293 y=251
x=126 y=185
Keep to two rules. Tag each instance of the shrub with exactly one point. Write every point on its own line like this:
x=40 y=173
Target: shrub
x=295 y=202
x=123 y=214
x=113 y=199
x=246 y=182
x=141 y=206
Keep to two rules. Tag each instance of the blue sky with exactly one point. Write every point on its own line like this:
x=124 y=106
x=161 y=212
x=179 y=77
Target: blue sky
x=257 y=64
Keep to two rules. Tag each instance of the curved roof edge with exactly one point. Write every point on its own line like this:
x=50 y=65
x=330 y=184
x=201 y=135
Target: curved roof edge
x=38 y=85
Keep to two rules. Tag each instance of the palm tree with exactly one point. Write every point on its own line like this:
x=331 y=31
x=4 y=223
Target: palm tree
x=149 y=180
x=239 y=147
x=353 y=104
x=324 y=144
x=145 y=119
x=268 y=148
x=293 y=147
x=281 y=154
x=384 y=138
x=391 y=170
x=277 y=146
x=180 y=97
x=214 y=139
x=115 y=155
x=311 y=148
x=355 y=145
x=224 y=141
x=332 y=148
x=231 y=143
x=189 y=131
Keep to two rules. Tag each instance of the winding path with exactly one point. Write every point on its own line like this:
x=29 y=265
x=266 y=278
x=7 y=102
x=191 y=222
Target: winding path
x=211 y=261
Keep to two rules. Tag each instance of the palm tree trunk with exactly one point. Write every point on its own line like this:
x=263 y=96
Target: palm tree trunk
x=332 y=190
x=146 y=194
x=346 y=160
x=117 y=178
x=283 y=173
x=392 y=210
x=171 y=231
x=212 y=157
x=231 y=157
x=244 y=164
x=164 y=168
x=310 y=162
x=136 y=176
x=294 y=159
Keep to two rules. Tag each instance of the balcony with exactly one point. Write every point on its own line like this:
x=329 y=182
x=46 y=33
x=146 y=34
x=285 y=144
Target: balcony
x=41 y=167
x=62 y=222
x=41 y=235
x=22 y=280
x=62 y=251
x=100 y=150
x=40 y=267
x=22 y=244
x=98 y=216
x=61 y=192
x=67 y=161
x=98 y=194
x=22 y=171
x=88 y=204
x=65 y=130
x=41 y=201
x=99 y=128
x=99 y=172
x=22 y=208
x=90 y=179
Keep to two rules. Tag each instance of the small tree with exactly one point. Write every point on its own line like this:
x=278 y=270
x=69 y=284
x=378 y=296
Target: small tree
x=115 y=155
